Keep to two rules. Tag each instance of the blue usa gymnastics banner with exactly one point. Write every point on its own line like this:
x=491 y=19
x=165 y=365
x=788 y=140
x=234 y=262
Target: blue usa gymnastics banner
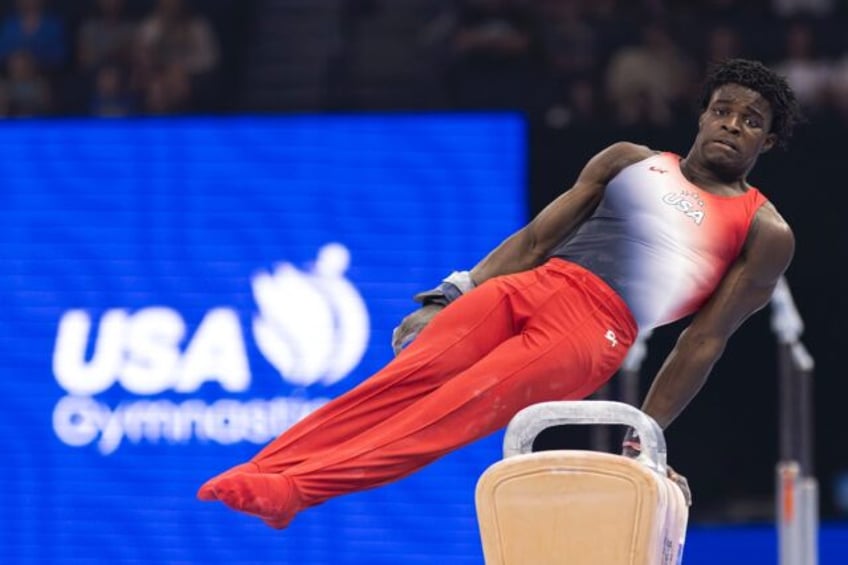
x=178 y=292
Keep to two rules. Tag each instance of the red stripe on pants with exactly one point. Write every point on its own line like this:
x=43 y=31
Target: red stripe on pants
x=514 y=341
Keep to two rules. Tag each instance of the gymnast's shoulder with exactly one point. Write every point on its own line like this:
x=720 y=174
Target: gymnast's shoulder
x=612 y=159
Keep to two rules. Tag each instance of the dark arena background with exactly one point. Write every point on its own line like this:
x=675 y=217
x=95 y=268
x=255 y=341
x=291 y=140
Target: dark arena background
x=214 y=213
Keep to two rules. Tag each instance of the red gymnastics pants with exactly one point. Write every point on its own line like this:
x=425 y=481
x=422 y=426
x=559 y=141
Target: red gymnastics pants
x=553 y=333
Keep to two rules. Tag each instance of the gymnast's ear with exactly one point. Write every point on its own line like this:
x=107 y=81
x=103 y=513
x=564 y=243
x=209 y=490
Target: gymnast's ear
x=771 y=141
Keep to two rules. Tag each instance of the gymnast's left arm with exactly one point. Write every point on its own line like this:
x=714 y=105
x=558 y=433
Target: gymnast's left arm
x=746 y=288
x=530 y=246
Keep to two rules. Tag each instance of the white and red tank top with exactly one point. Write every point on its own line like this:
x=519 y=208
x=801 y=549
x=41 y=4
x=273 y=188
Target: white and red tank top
x=659 y=241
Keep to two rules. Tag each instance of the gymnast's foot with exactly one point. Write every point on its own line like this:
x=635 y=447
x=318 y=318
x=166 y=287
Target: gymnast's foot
x=271 y=497
x=207 y=491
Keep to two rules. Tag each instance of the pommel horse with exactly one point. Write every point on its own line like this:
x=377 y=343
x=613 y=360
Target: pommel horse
x=579 y=507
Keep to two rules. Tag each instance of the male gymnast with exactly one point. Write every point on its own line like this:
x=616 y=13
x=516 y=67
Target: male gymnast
x=642 y=239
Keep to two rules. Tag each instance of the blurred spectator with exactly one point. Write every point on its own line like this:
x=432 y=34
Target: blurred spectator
x=807 y=73
x=572 y=52
x=29 y=91
x=111 y=97
x=570 y=41
x=647 y=84
x=613 y=24
x=32 y=29
x=105 y=37
x=167 y=92
x=495 y=55
x=567 y=61
x=838 y=88
x=723 y=43
x=176 y=54
x=789 y=8
x=724 y=11
x=578 y=106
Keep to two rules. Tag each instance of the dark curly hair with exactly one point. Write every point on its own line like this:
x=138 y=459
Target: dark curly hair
x=786 y=112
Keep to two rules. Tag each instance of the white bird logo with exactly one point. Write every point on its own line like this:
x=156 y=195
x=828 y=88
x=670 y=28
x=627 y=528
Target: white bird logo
x=312 y=325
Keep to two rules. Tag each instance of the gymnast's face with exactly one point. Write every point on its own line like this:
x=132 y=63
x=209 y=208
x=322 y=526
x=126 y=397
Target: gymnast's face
x=734 y=130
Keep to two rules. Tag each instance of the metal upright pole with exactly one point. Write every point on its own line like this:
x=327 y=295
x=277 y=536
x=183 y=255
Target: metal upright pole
x=797 y=489
x=808 y=503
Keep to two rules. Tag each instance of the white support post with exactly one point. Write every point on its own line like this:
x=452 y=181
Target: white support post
x=797 y=511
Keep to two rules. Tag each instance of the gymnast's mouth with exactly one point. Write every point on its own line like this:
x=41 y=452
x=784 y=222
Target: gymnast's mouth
x=725 y=143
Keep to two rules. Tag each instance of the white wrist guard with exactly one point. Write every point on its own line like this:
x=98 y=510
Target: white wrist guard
x=453 y=286
x=461 y=280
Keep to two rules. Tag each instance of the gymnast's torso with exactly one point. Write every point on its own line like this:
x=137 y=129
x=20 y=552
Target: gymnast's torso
x=662 y=243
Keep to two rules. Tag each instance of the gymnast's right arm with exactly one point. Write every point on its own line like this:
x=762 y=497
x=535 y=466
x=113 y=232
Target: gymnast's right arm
x=531 y=245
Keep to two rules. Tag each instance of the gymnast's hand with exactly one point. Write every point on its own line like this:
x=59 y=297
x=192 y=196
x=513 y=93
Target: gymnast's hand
x=412 y=325
x=632 y=447
x=681 y=482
